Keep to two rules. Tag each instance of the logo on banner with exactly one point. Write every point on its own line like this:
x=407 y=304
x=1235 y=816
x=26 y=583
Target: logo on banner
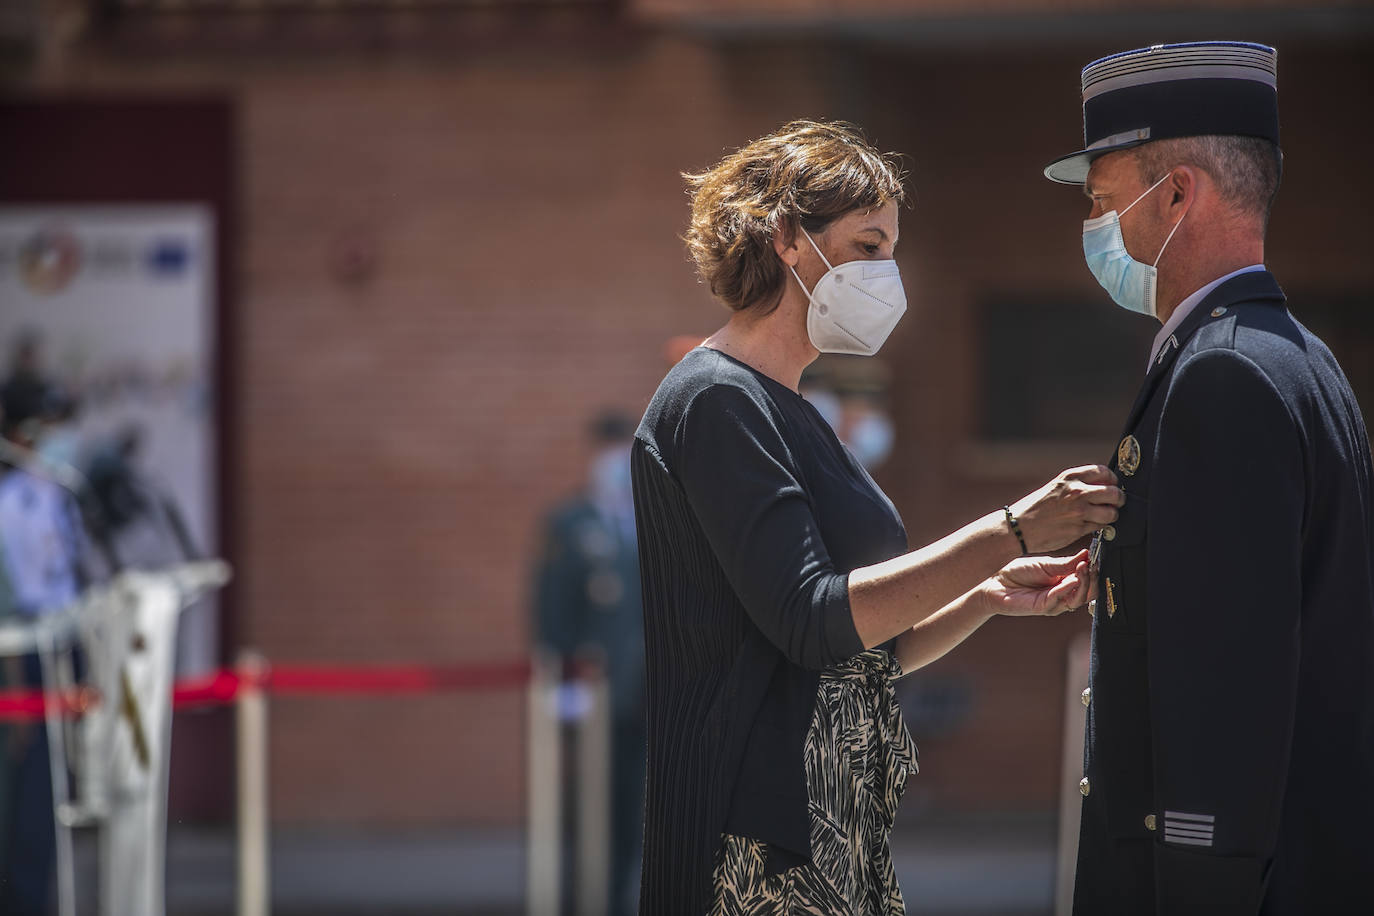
x=168 y=257
x=48 y=260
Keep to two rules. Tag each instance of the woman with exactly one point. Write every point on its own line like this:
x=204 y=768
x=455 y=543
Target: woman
x=780 y=599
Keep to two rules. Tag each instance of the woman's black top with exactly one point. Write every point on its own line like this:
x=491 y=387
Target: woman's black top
x=751 y=515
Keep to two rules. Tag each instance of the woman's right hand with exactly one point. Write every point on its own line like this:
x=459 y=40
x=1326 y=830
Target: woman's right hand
x=1039 y=586
x=1072 y=505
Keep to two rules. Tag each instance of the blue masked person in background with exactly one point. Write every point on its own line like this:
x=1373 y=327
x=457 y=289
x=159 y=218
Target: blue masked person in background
x=139 y=517
x=42 y=545
x=850 y=393
x=588 y=608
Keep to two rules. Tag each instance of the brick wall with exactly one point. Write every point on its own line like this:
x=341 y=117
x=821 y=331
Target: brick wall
x=403 y=438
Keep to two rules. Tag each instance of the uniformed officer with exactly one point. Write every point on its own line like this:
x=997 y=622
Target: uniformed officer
x=43 y=549
x=587 y=604
x=1229 y=764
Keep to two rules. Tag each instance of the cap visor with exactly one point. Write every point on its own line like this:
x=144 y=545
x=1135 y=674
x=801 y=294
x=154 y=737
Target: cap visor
x=1073 y=168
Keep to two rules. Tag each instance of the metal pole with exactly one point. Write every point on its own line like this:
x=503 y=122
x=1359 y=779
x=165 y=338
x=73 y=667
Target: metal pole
x=593 y=853
x=543 y=789
x=251 y=725
x=54 y=690
x=1070 y=799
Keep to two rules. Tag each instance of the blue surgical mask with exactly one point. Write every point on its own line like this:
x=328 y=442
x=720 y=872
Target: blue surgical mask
x=1131 y=283
x=610 y=481
x=870 y=439
x=60 y=446
x=826 y=404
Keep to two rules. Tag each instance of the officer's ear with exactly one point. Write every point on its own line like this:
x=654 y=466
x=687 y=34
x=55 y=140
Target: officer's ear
x=1182 y=186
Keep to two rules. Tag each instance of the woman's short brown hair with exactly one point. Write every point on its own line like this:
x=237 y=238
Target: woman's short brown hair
x=806 y=173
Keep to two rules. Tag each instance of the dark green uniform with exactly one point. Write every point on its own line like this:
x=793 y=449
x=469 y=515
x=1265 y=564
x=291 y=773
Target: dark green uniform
x=587 y=596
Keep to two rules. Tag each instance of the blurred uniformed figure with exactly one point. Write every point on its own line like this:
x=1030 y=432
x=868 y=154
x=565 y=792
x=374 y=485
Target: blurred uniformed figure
x=44 y=554
x=850 y=392
x=1229 y=765
x=588 y=607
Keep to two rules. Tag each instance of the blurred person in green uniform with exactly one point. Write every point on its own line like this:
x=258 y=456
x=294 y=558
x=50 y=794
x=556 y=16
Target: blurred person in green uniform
x=587 y=608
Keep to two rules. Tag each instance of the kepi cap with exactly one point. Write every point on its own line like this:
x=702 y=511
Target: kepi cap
x=1179 y=90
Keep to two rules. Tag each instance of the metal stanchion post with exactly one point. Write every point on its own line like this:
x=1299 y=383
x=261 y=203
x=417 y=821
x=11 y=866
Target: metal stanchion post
x=543 y=789
x=1076 y=700
x=251 y=733
x=54 y=687
x=593 y=854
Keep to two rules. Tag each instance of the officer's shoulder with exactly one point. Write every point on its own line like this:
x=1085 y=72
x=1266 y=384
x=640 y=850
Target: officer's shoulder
x=1249 y=347
x=1253 y=332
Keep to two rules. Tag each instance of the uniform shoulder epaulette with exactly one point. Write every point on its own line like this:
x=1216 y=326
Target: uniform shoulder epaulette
x=1218 y=330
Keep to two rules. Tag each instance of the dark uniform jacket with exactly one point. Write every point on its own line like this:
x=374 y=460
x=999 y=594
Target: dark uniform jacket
x=1229 y=762
x=587 y=594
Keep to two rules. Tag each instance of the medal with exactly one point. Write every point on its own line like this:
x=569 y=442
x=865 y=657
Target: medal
x=1128 y=455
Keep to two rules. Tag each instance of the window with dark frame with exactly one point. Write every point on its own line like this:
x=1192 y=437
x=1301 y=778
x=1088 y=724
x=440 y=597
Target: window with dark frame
x=1058 y=369
x=1068 y=370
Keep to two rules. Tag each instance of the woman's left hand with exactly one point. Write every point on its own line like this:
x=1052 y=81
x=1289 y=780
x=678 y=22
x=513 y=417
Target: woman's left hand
x=1069 y=507
x=1039 y=586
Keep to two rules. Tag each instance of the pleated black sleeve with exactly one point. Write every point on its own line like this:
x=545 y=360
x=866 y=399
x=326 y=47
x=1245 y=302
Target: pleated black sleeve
x=741 y=481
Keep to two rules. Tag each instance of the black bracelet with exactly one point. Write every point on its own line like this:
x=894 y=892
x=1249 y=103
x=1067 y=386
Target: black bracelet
x=1016 y=530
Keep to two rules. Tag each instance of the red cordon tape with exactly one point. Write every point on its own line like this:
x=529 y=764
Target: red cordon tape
x=401 y=679
x=223 y=686
x=218 y=689
x=27 y=705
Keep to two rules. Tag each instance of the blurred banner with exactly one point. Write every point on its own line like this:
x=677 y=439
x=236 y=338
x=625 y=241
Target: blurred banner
x=115 y=305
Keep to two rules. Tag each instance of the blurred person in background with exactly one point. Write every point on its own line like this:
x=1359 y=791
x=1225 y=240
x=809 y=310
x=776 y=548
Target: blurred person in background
x=1230 y=738
x=25 y=382
x=850 y=393
x=11 y=676
x=138 y=518
x=780 y=597
x=43 y=550
x=588 y=610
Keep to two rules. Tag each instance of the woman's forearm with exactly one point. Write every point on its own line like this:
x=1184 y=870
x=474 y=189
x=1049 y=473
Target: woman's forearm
x=946 y=628
x=887 y=599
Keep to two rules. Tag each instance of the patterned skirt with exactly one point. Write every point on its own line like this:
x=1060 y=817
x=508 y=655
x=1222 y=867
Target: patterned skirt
x=858 y=757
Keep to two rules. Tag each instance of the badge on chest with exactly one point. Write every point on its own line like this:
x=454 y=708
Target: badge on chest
x=1128 y=456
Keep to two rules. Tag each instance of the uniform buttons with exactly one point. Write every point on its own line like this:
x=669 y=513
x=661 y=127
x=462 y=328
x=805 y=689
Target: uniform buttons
x=1087 y=695
x=1109 y=533
x=1149 y=822
x=1219 y=311
x=1092 y=608
x=1083 y=786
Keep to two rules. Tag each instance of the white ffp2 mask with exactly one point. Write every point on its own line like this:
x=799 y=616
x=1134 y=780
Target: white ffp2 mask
x=854 y=306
